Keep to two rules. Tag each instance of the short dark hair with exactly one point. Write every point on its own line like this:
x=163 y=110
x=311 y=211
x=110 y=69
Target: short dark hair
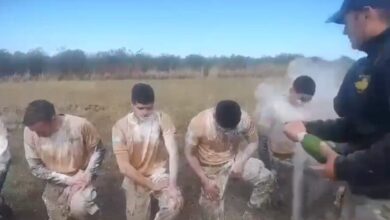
x=142 y=93
x=228 y=114
x=304 y=85
x=38 y=111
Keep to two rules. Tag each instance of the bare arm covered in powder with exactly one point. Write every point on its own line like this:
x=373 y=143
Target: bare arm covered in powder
x=171 y=146
x=251 y=136
x=168 y=132
x=192 y=141
x=247 y=153
x=129 y=171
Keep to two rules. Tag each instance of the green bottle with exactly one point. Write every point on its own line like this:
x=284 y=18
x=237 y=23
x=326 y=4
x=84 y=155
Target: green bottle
x=312 y=145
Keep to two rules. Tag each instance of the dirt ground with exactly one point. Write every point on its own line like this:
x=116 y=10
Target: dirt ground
x=103 y=103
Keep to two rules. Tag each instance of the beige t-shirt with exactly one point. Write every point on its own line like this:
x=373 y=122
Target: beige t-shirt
x=212 y=146
x=143 y=141
x=66 y=151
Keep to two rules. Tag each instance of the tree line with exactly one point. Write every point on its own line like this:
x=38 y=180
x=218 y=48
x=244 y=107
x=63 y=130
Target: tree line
x=123 y=63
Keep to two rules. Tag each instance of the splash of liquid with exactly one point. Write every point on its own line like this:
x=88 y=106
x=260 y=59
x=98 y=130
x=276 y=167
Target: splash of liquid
x=328 y=76
x=299 y=163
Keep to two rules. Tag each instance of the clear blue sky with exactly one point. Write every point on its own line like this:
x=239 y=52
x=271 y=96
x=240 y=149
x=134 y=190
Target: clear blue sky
x=206 y=27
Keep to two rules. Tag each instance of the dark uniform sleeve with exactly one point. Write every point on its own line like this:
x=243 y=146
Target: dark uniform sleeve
x=336 y=130
x=367 y=166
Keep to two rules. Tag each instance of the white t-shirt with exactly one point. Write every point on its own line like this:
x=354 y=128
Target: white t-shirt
x=273 y=116
x=5 y=155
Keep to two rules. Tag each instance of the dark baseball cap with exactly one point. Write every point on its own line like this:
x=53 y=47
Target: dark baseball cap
x=353 y=5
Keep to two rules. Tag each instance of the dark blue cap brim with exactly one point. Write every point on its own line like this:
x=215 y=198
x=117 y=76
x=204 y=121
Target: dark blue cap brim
x=337 y=18
x=349 y=5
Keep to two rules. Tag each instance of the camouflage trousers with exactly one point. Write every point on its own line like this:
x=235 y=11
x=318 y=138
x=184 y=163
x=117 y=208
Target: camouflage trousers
x=363 y=208
x=138 y=200
x=254 y=172
x=60 y=206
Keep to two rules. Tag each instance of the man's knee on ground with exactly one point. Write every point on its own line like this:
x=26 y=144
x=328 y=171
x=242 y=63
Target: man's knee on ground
x=256 y=173
x=172 y=205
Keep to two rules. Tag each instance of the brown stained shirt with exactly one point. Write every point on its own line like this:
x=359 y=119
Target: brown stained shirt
x=66 y=151
x=143 y=141
x=212 y=146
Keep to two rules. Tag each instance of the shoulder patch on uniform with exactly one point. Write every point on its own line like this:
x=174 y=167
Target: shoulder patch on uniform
x=362 y=84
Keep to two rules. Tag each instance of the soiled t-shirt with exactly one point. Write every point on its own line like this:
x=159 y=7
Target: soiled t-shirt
x=143 y=140
x=66 y=151
x=214 y=147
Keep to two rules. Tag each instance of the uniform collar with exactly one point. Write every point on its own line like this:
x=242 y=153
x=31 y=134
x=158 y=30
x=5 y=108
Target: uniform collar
x=374 y=46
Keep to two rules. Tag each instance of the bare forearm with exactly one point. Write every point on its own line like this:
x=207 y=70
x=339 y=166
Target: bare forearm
x=247 y=152
x=173 y=168
x=173 y=158
x=195 y=165
x=130 y=172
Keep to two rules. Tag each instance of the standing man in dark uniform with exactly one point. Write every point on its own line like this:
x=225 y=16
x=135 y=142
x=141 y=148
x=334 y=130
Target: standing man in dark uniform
x=363 y=104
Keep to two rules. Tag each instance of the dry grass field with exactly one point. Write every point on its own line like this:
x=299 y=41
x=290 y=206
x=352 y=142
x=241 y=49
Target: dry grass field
x=103 y=102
